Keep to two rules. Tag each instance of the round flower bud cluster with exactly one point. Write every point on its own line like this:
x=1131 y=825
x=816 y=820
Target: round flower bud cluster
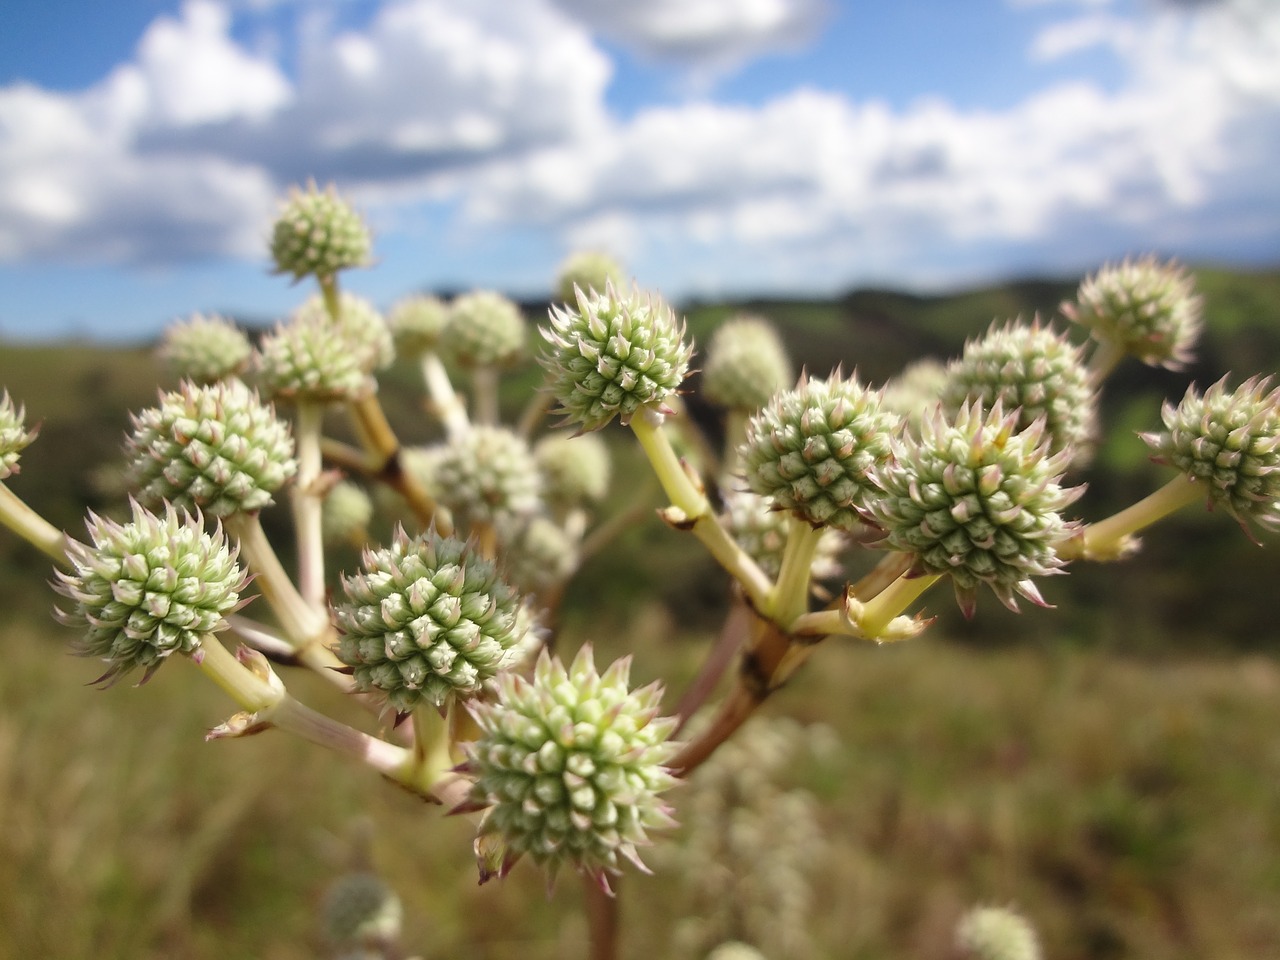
x=346 y=513
x=309 y=359
x=613 y=355
x=1146 y=308
x=145 y=589
x=588 y=270
x=14 y=436
x=360 y=325
x=485 y=329
x=1034 y=370
x=317 y=234
x=417 y=323
x=574 y=470
x=537 y=552
x=996 y=933
x=425 y=620
x=762 y=531
x=360 y=910
x=485 y=475
x=810 y=450
x=571 y=766
x=205 y=349
x=1230 y=440
x=746 y=364
x=214 y=448
x=977 y=499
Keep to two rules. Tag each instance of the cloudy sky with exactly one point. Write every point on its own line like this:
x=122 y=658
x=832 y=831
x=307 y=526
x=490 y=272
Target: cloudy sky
x=716 y=146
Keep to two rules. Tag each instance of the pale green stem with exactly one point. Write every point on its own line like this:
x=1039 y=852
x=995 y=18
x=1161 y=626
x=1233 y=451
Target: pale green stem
x=332 y=298
x=484 y=394
x=31 y=527
x=302 y=623
x=444 y=399
x=790 y=595
x=1106 y=538
x=251 y=690
x=694 y=511
x=259 y=636
x=1105 y=358
x=892 y=601
x=308 y=505
x=891 y=566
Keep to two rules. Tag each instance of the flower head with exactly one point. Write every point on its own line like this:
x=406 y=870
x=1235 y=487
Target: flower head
x=485 y=329
x=978 y=499
x=588 y=271
x=347 y=511
x=359 y=324
x=996 y=933
x=205 y=349
x=317 y=233
x=1032 y=369
x=746 y=364
x=425 y=620
x=149 y=588
x=486 y=474
x=417 y=322
x=1230 y=440
x=14 y=436
x=212 y=448
x=1147 y=308
x=574 y=469
x=613 y=355
x=571 y=766
x=811 y=448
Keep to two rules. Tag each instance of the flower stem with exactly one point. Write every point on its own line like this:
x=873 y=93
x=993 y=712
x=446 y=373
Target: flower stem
x=253 y=691
x=332 y=298
x=31 y=527
x=444 y=401
x=484 y=394
x=307 y=504
x=790 y=595
x=732 y=634
x=1108 y=539
x=1105 y=358
x=892 y=601
x=602 y=918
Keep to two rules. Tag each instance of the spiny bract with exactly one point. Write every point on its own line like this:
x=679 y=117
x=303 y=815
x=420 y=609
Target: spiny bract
x=145 y=589
x=205 y=349
x=425 y=619
x=977 y=499
x=1146 y=308
x=14 y=436
x=317 y=233
x=746 y=364
x=613 y=355
x=1230 y=440
x=214 y=448
x=811 y=447
x=571 y=766
x=1032 y=369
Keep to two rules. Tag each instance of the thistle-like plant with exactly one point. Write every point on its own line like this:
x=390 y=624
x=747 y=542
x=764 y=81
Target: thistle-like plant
x=359 y=324
x=746 y=364
x=317 y=233
x=574 y=469
x=310 y=359
x=485 y=329
x=486 y=475
x=417 y=323
x=571 y=766
x=14 y=436
x=205 y=349
x=587 y=270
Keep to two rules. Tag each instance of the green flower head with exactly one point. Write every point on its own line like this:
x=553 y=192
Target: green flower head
x=317 y=233
x=486 y=475
x=205 y=349
x=14 y=436
x=417 y=322
x=485 y=329
x=149 y=588
x=588 y=271
x=746 y=364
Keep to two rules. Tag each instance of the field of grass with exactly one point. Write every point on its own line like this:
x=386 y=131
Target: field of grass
x=1108 y=767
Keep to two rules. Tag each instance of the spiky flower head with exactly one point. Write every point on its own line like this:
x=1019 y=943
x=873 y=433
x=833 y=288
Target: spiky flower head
x=14 y=436
x=746 y=364
x=417 y=322
x=760 y=529
x=810 y=449
x=979 y=499
x=214 y=448
x=485 y=329
x=149 y=588
x=587 y=270
x=996 y=933
x=346 y=513
x=613 y=354
x=308 y=359
x=426 y=619
x=1231 y=441
x=205 y=349
x=571 y=766
x=317 y=233
x=537 y=552
x=360 y=910
x=1146 y=308
x=486 y=474
x=359 y=324
x=1032 y=369
x=575 y=469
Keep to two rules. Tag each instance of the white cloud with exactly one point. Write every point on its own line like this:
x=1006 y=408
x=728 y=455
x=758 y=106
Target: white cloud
x=713 y=34
x=1081 y=33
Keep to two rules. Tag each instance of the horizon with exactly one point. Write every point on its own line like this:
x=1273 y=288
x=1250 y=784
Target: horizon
x=724 y=150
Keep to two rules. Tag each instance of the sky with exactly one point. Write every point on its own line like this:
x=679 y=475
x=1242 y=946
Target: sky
x=719 y=148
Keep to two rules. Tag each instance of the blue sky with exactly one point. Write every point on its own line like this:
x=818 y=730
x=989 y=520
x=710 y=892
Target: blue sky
x=718 y=147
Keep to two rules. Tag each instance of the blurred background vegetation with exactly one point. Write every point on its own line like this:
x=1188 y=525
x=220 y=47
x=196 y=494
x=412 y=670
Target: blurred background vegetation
x=1108 y=766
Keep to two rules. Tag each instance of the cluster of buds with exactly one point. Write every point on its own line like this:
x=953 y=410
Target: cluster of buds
x=954 y=471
